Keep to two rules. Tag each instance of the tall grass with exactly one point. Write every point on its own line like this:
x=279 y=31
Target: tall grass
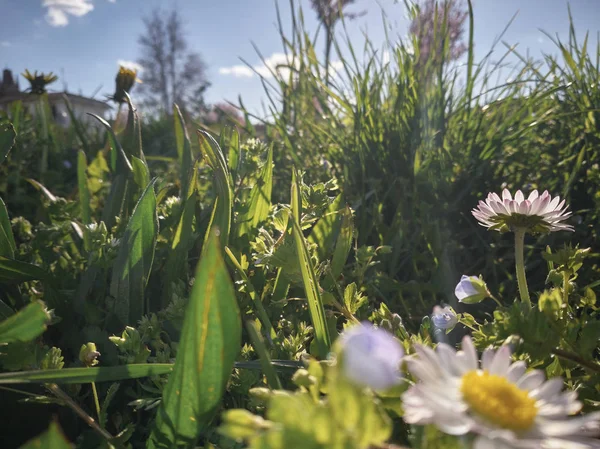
x=414 y=146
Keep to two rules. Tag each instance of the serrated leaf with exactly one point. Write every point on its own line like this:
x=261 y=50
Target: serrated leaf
x=52 y=438
x=325 y=232
x=343 y=243
x=259 y=203
x=210 y=342
x=134 y=259
x=25 y=325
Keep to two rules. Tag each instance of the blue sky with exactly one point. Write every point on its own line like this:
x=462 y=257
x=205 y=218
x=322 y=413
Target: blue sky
x=83 y=40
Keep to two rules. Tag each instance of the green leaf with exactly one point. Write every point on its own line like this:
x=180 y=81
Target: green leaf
x=86 y=375
x=183 y=237
x=116 y=373
x=309 y=278
x=214 y=156
x=184 y=149
x=234 y=155
x=210 y=342
x=7 y=240
x=7 y=138
x=84 y=198
x=257 y=209
x=52 y=438
x=134 y=259
x=25 y=325
x=15 y=272
x=120 y=194
x=132 y=135
x=141 y=173
x=263 y=355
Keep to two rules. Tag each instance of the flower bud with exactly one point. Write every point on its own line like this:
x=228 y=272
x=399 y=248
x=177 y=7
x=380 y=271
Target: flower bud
x=371 y=357
x=444 y=318
x=125 y=80
x=89 y=355
x=471 y=290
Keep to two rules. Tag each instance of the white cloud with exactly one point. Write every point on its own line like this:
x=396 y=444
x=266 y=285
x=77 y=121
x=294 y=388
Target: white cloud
x=277 y=62
x=130 y=65
x=60 y=10
x=239 y=71
x=5 y=44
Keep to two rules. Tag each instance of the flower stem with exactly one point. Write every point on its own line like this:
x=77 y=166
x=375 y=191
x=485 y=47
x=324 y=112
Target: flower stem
x=497 y=300
x=565 y=288
x=520 y=266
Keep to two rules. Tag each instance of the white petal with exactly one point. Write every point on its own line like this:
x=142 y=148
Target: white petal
x=486 y=359
x=548 y=389
x=506 y=195
x=516 y=371
x=501 y=361
x=469 y=354
x=531 y=380
x=519 y=196
x=533 y=195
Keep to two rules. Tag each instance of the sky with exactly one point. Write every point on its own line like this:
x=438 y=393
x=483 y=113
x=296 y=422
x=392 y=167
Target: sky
x=83 y=41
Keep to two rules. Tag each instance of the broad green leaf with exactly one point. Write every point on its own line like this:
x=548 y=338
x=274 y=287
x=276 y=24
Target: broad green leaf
x=86 y=375
x=120 y=194
x=25 y=325
x=7 y=138
x=309 y=278
x=214 y=156
x=53 y=438
x=84 y=197
x=7 y=240
x=134 y=259
x=325 y=232
x=257 y=209
x=15 y=272
x=184 y=235
x=210 y=342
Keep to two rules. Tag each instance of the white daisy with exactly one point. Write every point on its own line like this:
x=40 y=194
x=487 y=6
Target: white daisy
x=537 y=213
x=501 y=404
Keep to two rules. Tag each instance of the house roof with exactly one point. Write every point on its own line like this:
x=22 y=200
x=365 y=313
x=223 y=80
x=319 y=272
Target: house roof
x=53 y=96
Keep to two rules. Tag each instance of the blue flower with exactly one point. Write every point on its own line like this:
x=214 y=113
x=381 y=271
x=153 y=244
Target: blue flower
x=444 y=318
x=471 y=290
x=371 y=357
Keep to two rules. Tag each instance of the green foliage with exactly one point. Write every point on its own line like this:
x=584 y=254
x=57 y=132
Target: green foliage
x=210 y=342
x=120 y=243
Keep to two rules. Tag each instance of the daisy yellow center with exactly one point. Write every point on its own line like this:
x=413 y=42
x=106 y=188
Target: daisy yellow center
x=498 y=401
